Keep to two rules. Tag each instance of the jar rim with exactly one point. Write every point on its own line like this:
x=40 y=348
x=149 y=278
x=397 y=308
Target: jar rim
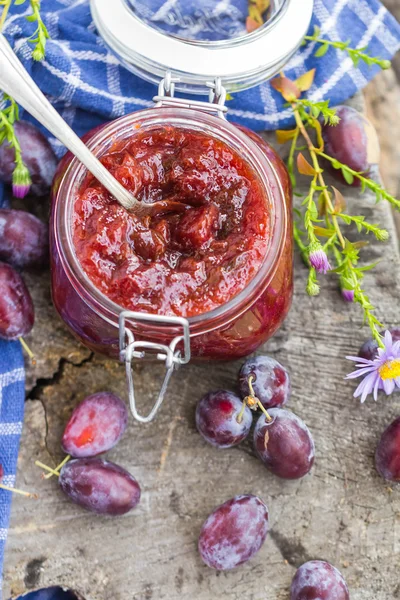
x=72 y=178
x=240 y=62
x=240 y=39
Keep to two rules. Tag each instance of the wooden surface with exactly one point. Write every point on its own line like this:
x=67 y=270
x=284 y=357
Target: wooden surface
x=342 y=512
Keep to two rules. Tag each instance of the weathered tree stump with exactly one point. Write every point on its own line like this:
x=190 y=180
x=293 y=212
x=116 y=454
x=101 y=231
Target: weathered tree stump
x=342 y=512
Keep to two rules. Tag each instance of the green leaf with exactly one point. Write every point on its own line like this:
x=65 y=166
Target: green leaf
x=312 y=208
x=368 y=267
x=349 y=178
x=322 y=50
x=297 y=212
x=336 y=164
x=346 y=219
x=317 y=31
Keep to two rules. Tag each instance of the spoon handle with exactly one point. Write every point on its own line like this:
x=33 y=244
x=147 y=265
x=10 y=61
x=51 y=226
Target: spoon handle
x=16 y=81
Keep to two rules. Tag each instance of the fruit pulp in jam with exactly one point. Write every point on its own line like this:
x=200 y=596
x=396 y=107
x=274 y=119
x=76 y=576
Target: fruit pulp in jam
x=184 y=262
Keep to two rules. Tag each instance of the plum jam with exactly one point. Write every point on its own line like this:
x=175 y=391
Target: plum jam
x=220 y=260
x=188 y=261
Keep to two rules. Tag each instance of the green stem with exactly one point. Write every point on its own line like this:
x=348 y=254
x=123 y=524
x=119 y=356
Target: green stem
x=354 y=53
x=302 y=247
x=13 y=138
x=318 y=170
x=4 y=13
x=369 y=183
x=41 y=32
x=361 y=298
x=290 y=161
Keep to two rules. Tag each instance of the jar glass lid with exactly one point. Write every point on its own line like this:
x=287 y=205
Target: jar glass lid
x=207 y=20
x=200 y=45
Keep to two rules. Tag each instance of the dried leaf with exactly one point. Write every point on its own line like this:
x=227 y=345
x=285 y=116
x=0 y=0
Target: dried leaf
x=323 y=232
x=305 y=81
x=304 y=166
x=340 y=203
x=318 y=129
x=284 y=135
x=262 y=5
x=321 y=205
x=360 y=244
x=255 y=14
x=251 y=25
x=286 y=87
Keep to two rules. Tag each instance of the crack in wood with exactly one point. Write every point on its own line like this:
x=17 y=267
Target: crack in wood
x=45 y=382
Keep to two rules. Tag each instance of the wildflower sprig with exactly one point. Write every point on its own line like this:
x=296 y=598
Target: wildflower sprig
x=323 y=209
x=351 y=276
x=350 y=174
x=41 y=35
x=356 y=54
x=9 y=114
x=21 y=179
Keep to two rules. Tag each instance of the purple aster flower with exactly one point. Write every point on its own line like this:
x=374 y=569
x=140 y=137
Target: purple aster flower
x=21 y=180
x=318 y=258
x=381 y=373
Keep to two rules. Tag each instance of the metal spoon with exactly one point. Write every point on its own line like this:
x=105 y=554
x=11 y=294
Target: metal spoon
x=16 y=81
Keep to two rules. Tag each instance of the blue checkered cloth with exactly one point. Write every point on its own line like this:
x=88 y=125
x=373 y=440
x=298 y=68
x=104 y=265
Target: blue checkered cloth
x=88 y=86
x=12 y=395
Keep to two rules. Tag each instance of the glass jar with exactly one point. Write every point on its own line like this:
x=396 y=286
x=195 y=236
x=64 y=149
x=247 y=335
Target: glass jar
x=238 y=327
x=241 y=61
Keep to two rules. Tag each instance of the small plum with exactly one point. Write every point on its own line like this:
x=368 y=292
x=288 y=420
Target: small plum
x=23 y=239
x=218 y=419
x=284 y=444
x=99 y=486
x=270 y=381
x=16 y=306
x=369 y=349
x=387 y=455
x=234 y=532
x=95 y=426
x=353 y=142
x=318 y=580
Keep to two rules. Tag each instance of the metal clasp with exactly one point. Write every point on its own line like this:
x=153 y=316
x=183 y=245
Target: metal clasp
x=216 y=96
x=129 y=348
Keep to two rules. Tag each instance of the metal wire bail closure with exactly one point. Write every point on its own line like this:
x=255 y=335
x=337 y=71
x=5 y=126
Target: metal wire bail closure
x=216 y=96
x=129 y=349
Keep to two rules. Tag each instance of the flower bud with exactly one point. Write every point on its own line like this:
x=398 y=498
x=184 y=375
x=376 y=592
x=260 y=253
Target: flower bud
x=318 y=258
x=21 y=180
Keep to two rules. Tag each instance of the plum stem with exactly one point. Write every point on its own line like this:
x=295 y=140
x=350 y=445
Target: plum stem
x=28 y=350
x=239 y=418
x=46 y=468
x=58 y=468
x=252 y=402
x=16 y=491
